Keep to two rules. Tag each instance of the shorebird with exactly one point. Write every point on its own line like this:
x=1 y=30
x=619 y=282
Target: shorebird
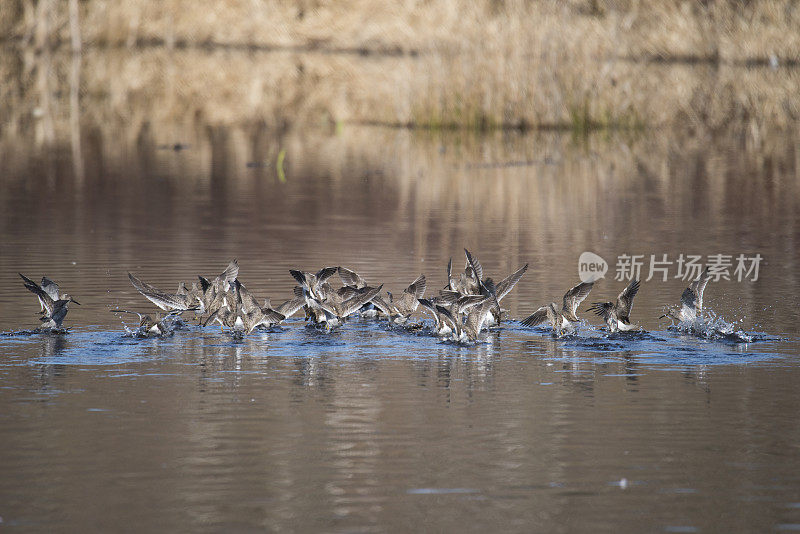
x=464 y=328
x=617 y=314
x=337 y=308
x=223 y=280
x=215 y=292
x=329 y=306
x=350 y=278
x=691 y=301
x=54 y=305
x=474 y=322
x=471 y=282
x=484 y=287
x=399 y=309
x=160 y=325
x=465 y=283
x=502 y=289
x=314 y=288
x=562 y=319
x=291 y=306
x=353 y=280
x=245 y=315
x=183 y=300
x=445 y=311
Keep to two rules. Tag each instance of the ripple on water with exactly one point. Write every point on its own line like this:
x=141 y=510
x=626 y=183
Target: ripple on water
x=441 y=491
x=369 y=339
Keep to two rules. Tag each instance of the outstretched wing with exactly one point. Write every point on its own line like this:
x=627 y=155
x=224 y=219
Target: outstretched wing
x=625 y=300
x=354 y=303
x=573 y=298
x=382 y=305
x=325 y=273
x=536 y=318
x=428 y=305
x=603 y=309
x=508 y=283
x=468 y=301
x=163 y=300
x=477 y=268
x=28 y=282
x=452 y=281
x=230 y=273
x=46 y=301
x=345 y=292
x=270 y=316
x=447 y=318
x=204 y=283
x=50 y=287
x=692 y=296
x=290 y=307
x=351 y=278
x=249 y=302
x=417 y=287
x=301 y=278
x=448 y=296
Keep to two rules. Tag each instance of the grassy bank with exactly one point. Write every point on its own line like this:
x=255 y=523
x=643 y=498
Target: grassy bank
x=575 y=65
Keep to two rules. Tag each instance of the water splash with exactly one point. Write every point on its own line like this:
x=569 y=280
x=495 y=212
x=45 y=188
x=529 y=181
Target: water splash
x=715 y=328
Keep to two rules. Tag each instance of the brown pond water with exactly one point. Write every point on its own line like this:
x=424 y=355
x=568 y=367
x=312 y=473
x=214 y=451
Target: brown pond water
x=369 y=429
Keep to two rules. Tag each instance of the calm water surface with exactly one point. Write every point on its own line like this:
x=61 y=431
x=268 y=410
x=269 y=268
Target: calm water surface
x=368 y=429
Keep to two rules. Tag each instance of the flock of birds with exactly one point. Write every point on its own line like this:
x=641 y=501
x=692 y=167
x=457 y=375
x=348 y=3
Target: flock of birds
x=467 y=306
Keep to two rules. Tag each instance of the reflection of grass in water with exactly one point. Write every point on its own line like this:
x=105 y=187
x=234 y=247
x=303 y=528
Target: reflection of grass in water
x=279 y=165
x=481 y=65
x=581 y=119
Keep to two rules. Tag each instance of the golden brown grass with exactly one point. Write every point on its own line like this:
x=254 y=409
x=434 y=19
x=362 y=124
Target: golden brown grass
x=579 y=65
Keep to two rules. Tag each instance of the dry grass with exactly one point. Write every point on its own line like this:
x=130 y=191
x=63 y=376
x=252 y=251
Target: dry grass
x=579 y=65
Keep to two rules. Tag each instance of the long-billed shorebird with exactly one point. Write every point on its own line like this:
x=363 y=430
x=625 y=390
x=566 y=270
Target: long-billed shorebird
x=216 y=292
x=561 y=319
x=328 y=306
x=502 y=289
x=617 y=314
x=223 y=280
x=471 y=282
x=341 y=305
x=460 y=323
x=315 y=289
x=182 y=300
x=354 y=281
x=446 y=311
x=53 y=303
x=691 y=301
x=399 y=309
x=485 y=286
x=244 y=314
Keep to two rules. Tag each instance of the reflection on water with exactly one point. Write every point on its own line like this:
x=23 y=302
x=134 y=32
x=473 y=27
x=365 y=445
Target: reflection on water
x=373 y=429
x=282 y=430
x=392 y=204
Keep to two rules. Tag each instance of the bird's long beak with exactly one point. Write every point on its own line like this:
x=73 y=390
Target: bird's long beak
x=75 y=301
x=662 y=316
